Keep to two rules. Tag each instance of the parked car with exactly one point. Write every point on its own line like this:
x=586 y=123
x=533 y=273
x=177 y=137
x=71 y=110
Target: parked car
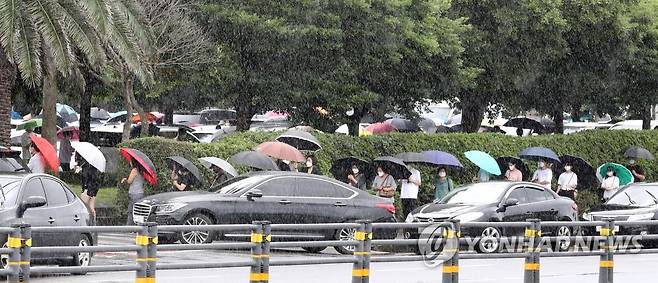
x=498 y=202
x=634 y=202
x=45 y=201
x=279 y=197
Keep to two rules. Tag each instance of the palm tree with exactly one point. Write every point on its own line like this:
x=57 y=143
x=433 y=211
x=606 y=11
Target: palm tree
x=40 y=36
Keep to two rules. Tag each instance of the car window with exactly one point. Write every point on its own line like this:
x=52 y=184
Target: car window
x=549 y=195
x=312 y=187
x=34 y=188
x=10 y=194
x=70 y=196
x=279 y=187
x=535 y=194
x=55 y=193
x=519 y=194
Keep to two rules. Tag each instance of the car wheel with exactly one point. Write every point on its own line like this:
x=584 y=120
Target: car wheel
x=314 y=250
x=345 y=234
x=489 y=240
x=81 y=259
x=563 y=241
x=4 y=258
x=197 y=237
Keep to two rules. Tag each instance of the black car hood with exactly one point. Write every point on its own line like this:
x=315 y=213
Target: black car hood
x=437 y=210
x=190 y=196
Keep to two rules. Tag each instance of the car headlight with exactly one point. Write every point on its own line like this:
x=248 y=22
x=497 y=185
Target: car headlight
x=410 y=218
x=644 y=216
x=469 y=216
x=170 y=207
x=587 y=216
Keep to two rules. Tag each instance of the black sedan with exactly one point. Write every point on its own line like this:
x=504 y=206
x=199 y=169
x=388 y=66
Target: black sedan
x=45 y=201
x=278 y=197
x=635 y=202
x=498 y=202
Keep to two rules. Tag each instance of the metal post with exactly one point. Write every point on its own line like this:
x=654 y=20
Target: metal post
x=17 y=259
x=359 y=270
x=451 y=246
x=26 y=254
x=147 y=240
x=367 y=249
x=265 y=252
x=255 y=275
x=533 y=237
x=607 y=261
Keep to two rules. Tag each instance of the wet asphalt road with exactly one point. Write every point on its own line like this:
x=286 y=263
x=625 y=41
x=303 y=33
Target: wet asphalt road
x=628 y=268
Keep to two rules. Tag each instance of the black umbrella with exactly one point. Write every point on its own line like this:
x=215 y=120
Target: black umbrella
x=526 y=123
x=254 y=159
x=585 y=172
x=427 y=126
x=403 y=125
x=414 y=157
x=188 y=165
x=638 y=153
x=505 y=160
x=539 y=153
x=300 y=140
x=393 y=166
x=341 y=167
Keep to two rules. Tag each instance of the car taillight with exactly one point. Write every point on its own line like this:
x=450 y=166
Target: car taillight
x=574 y=207
x=388 y=206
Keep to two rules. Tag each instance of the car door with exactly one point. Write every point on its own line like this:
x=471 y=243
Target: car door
x=276 y=205
x=62 y=212
x=38 y=216
x=541 y=205
x=322 y=201
x=517 y=213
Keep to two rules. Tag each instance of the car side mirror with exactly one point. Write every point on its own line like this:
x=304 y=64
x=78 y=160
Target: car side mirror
x=254 y=193
x=30 y=202
x=509 y=202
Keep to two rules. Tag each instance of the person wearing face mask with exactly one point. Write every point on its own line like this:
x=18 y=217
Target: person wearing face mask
x=636 y=170
x=182 y=179
x=36 y=163
x=443 y=184
x=513 y=174
x=384 y=185
x=610 y=184
x=567 y=182
x=311 y=166
x=409 y=191
x=357 y=179
x=543 y=175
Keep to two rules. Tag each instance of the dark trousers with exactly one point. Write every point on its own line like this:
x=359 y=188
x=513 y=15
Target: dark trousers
x=570 y=194
x=65 y=166
x=408 y=205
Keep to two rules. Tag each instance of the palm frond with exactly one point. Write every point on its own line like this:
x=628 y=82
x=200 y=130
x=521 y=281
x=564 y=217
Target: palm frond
x=27 y=53
x=48 y=23
x=81 y=32
x=8 y=15
x=136 y=20
x=126 y=45
x=98 y=13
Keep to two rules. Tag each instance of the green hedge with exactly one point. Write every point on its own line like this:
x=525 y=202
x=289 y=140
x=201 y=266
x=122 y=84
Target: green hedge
x=597 y=147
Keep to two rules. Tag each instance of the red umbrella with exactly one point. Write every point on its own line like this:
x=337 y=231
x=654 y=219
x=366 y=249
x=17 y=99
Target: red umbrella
x=47 y=150
x=149 y=117
x=75 y=132
x=144 y=161
x=380 y=128
x=280 y=150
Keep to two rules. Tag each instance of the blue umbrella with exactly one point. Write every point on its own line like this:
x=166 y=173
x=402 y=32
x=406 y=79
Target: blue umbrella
x=484 y=161
x=442 y=159
x=539 y=153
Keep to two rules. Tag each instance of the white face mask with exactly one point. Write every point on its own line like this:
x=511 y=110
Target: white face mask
x=567 y=168
x=541 y=164
x=442 y=174
x=610 y=174
x=309 y=163
x=380 y=173
x=631 y=162
x=355 y=170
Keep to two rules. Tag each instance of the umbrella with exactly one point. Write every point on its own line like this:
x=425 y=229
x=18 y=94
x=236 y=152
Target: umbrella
x=586 y=174
x=300 y=140
x=188 y=165
x=441 y=158
x=255 y=160
x=625 y=176
x=99 y=114
x=75 y=132
x=638 y=153
x=413 y=157
x=393 y=166
x=142 y=160
x=302 y=128
x=380 y=128
x=503 y=161
x=427 y=126
x=526 y=123
x=67 y=112
x=47 y=150
x=91 y=154
x=484 y=161
x=341 y=168
x=149 y=117
x=208 y=162
x=31 y=124
x=403 y=125
x=281 y=151
x=539 y=153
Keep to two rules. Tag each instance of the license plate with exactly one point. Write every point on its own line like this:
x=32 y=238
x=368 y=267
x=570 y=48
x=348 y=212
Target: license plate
x=598 y=228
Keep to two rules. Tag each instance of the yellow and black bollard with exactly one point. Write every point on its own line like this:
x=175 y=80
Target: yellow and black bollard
x=147 y=240
x=256 y=275
x=606 y=264
x=451 y=247
x=361 y=269
x=20 y=240
x=265 y=252
x=531 y=266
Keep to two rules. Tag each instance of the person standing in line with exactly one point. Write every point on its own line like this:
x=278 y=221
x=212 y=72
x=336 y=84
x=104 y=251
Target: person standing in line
x=182 y=179
x=65 y=152
x=444 y=184
x=543 y=176
x=610 y=184
x=636 y=170
x=567 y=183
x=513 y=174
x=220 y=176
x=384 y=185
x=26 y=142
x=135 y=180
x=482 y=176
x=409 y=191
x=36 y=163
x=311 y=166
x=357 y=179
x=90 y=184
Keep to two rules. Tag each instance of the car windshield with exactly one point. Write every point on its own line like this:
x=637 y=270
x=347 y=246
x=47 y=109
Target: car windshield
x=635 y=196
x=9 y=194
x=237 y=184
x=479 y=193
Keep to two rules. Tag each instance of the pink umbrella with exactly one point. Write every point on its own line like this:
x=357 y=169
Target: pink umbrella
x=273 y=114
x=380 y=128
x=75 y=132
x=280 y=150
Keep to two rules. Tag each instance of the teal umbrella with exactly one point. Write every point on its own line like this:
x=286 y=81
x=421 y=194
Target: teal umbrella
x=484 y=161
x=625 y=176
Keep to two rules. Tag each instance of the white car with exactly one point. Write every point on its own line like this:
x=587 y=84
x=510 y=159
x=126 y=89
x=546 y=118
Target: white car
x=632 y=125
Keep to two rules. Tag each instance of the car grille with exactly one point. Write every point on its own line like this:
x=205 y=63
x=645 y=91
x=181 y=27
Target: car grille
x=141 y=209
x=433 y=219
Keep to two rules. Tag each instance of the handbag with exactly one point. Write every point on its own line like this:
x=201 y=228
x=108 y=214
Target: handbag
x=386 y=192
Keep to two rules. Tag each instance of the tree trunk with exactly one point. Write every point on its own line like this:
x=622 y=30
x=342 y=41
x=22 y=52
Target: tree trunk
x=353 y=123
x=472 y=115
x=127 y=93
x=244 y=113
x=142 y=115
x=7 y=77
x=558 y=118
x=646 y=117
x=50 y=93
x=169 y=115
x=85 y=108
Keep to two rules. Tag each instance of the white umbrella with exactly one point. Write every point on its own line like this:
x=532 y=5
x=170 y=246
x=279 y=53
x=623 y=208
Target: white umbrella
x=91 y=154
x=208 y=162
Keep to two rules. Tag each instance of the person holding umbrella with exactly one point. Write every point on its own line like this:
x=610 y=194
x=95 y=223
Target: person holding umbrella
x=135 y=181
x=409 y=191
x=567 y=182
x=384 y=184
x=90 y=184
x=543 y=175
x=610 y=184
x=65 y=151
x=182 y=179
x=36 y=163
x=513 y=174
x=637 y=170
x=26 y=143
x=633 y=154
x=356 y=178
x=311 y=166
x=443 y=185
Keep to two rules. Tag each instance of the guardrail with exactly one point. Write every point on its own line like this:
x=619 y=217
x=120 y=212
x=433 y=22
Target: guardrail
x=19 y=247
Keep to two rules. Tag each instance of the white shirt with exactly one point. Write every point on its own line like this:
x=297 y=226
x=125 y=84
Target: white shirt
x=409 y=189
x=568 y=181
x=36 y=164
x=543 y=175
x=610 y=185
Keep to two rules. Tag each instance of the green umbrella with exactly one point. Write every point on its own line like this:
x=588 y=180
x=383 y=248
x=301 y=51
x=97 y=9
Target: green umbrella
x=31 y=124
x=625 y=176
